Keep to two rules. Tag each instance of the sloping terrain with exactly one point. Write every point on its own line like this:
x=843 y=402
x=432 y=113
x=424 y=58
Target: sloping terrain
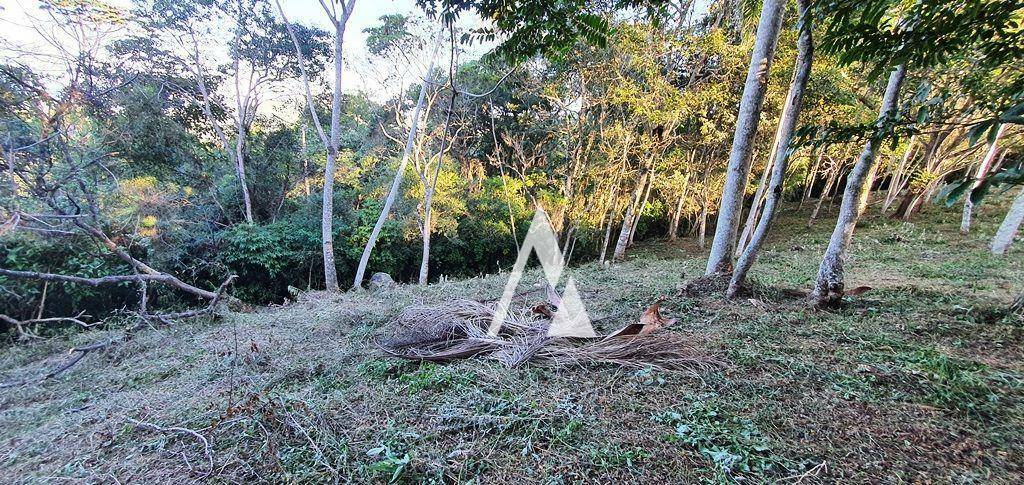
x=916 y=380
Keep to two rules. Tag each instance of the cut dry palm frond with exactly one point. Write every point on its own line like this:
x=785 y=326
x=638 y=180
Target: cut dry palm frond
x=458 y=330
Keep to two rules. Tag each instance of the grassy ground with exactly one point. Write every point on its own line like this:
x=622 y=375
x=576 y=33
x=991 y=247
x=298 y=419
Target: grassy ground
x=918 y=380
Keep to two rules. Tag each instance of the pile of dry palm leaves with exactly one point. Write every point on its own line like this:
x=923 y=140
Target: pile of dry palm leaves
x=458 y=330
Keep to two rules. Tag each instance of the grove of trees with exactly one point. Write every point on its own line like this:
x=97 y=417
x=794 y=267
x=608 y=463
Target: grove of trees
x=152 y=152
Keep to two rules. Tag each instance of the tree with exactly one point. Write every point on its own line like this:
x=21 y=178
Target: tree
x=888 y=33
x=724 y=243
x=339 y=20
x=983 y=169
x=783 y=150
x=828 y=286
x=62 y=155
x=1011 y=224
x=399 y=172
x=258 y=59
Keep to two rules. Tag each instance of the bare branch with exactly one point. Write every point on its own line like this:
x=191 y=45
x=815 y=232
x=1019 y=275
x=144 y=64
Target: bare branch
x=176 y=429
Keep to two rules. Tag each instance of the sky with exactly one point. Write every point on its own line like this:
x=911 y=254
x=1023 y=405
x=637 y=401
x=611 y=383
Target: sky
x=16 y=21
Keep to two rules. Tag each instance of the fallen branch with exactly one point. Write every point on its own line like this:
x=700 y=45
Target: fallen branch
x=166 y=318
x=21 y=324
x=81 y=351
x=177 y=429
x=162 y=278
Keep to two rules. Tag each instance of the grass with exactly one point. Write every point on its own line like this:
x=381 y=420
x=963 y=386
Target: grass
x=917 y=380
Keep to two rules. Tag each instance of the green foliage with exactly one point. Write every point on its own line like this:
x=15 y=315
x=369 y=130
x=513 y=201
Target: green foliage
x=389 y=464
x=920 y=34
x=733 y=444
x=532 y=27
x=262 y=255
x=957 y=385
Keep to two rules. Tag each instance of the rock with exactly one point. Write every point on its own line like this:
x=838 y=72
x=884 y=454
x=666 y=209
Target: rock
x=381 y=281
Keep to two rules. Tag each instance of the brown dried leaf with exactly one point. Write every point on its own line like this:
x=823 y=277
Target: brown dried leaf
x=652 y=319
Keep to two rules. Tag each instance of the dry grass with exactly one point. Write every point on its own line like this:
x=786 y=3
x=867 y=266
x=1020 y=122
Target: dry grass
x=918 y=380
x=458 y=330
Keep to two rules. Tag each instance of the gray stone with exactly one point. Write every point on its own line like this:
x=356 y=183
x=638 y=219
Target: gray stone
x=381 y=281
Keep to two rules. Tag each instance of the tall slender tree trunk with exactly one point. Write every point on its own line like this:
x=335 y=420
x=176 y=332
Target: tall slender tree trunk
x=242 y=108
x=396 y=183
x=627 y=224
x=332 y=145
x=865 y=195
x=702 y=226
x=899 y=177
x=428 y=196
x=607 y=235
x=720 y=259
x=327 y=204
x=755 y=207
x=828 y=287
x=787 y=124
x=829 y=182
x=240 y=172
x=810 y=179
x=640 y=208
x=673 y=228
x=610 y=213
x=673 y=231
x=1010 y=226
x=986 y=164
x=915 y=199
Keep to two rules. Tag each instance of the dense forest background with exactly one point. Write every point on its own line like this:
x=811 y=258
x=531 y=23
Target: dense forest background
x=180 y=133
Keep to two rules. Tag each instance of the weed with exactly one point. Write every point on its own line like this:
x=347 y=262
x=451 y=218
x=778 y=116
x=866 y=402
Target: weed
x=732 y=443
x=615 y=456
x=433 y=376
x=957 y=385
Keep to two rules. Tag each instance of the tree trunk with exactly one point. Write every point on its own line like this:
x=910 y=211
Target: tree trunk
x=607 y=236
x=673 y=226
x=915 y=200
x=327 y=203
x=787 y=124
x=240 y=172
x=702 y=226
x=332 y=144
x=627 y=225
x=609 y=223
x=831 y=180
x=640 y=208
x=428 y=196
x=828 y=288
x=986 y=164
x=1011 y=224
x=899 y=179
x=759 y=194
x=399 y=173
x=720 y=259
x=865 y=195
x=809 y=180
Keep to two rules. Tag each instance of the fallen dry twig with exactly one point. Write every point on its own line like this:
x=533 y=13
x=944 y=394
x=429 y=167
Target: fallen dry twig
x=175 y=429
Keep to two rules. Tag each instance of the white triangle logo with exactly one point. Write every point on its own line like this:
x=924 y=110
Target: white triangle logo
x=570 y=319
